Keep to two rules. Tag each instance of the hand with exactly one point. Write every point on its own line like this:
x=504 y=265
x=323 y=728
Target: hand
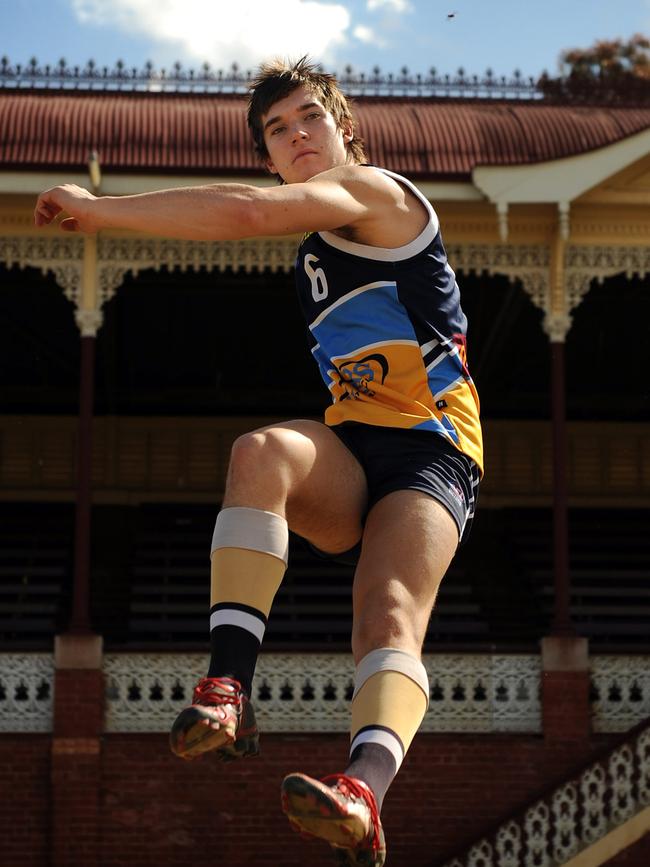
x=75 y=201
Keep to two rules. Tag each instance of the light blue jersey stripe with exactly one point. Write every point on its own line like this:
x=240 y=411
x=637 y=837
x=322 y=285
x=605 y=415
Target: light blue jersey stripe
x=374 y=316
x=443 y=427
x=445 y=374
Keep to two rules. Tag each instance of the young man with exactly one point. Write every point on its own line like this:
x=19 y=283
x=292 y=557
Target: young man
x=390 y=479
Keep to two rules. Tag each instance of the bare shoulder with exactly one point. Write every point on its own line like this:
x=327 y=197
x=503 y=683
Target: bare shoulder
x=362 y=182
x=391 y=215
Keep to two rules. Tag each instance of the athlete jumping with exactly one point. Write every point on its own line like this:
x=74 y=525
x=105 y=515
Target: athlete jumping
x=391 y=477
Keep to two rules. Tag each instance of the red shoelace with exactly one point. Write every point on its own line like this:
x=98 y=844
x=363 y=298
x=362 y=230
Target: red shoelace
x=207 y=691
x=349 y=786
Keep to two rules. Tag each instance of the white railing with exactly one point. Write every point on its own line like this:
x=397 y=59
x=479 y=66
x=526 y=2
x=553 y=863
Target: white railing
x=576 y=815
x=26 y=692
x=620 y=687
x=311 y=692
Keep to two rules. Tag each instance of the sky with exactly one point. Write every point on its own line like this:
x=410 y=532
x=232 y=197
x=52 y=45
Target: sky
x=502 y=35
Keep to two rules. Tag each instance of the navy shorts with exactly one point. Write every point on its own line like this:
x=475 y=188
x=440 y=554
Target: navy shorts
x=395 y=459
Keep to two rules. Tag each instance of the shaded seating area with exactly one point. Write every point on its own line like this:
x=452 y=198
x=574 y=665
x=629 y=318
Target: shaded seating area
x=150 y=581
x=36 y=543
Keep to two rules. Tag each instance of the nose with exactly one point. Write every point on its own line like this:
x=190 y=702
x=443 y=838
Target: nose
x=299 y=134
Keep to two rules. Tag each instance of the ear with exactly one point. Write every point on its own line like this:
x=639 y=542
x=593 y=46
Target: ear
x=270 y=165
x=346 y=129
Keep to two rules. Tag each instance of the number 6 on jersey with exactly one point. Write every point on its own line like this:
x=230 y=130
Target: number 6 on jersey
x=318 y=279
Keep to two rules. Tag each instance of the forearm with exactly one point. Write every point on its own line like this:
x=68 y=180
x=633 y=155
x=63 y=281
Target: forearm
x=206 y=213
x=215 y=212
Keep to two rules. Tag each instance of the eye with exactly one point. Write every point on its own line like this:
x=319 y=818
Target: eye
x=276 y=129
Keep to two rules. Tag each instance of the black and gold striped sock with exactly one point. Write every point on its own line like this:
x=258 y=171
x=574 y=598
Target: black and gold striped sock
x=387 y=710
x=249 y=554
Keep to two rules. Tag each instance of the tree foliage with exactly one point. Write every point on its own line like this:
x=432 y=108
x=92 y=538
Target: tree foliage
x=611 y=60
x=610 y=68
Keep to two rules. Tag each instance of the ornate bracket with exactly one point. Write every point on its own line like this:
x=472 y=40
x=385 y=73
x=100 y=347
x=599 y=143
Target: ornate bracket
x=63 y=256
x=116 y=257
x=528 y=264
x=584 y=264
x=556 y=326
x=59 y=255
x=120 y=256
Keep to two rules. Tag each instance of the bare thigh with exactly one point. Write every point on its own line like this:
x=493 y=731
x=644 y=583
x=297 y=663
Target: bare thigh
x=408 y=543
x=301 y=470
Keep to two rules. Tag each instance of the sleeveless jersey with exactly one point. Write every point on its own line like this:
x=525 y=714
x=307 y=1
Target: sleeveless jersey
x=388 y=334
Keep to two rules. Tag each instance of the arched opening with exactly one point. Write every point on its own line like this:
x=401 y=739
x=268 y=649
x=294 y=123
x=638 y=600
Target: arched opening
x=507 y=348
x=608 y=352
x=198 y=343
x=39 y=344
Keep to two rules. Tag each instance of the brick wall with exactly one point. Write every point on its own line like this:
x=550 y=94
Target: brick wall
x=156 y=809
x=24 y=800
x=84 y=799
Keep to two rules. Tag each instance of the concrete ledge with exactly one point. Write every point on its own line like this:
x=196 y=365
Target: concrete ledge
x=78 y=651
x=616 y=841
x=565 y=654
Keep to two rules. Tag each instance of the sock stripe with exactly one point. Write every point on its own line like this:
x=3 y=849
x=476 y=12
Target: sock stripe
x=252 y=530
x=391 y=659
x=239 y=606
x=377 y=727
x=382 y=736
x=231 y=616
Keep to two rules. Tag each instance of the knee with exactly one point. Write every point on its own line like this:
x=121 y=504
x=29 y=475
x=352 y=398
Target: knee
x=261 y=452
x=386 y=622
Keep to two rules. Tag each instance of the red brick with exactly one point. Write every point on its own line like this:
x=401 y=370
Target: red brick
x=123 y=800
x=566 y=714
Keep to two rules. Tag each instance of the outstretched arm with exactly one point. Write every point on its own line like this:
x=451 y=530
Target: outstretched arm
x=339 y=197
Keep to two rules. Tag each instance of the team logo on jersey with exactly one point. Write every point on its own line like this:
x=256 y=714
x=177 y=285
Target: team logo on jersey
x=357 y=377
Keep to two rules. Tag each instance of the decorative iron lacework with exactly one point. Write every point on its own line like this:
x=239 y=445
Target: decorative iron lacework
x=596 y=262
x=61 y=255
x=620 y=692
x=26 y=692
x=576 y=815
x=116 y=257
x=527 y=263
x=119 y=256
x=312 y=692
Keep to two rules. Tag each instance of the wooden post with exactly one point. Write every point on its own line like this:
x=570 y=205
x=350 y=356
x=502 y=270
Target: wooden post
x=79 y=686
x=89 y=320
x=556 y=324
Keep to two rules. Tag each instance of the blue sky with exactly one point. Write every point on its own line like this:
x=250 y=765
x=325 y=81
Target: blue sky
x=501 y=34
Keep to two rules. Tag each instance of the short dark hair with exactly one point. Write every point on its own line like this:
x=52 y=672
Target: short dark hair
x=277 y=79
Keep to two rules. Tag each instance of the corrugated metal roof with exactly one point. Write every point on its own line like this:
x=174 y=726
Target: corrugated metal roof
x=193 y=133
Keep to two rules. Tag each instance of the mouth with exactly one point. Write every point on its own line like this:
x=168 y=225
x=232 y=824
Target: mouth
x=304 y=154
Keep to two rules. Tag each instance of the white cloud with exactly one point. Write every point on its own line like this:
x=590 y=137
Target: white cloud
x=368 y=35
x=221 y=33
x=389 y=5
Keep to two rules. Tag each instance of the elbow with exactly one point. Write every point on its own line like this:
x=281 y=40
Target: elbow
x=251 y=219
x=250 y=223
x=262 y=214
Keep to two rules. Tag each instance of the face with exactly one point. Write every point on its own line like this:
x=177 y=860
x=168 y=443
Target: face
x=302 y=137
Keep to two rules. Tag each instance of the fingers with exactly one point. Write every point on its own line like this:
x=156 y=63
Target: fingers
x=74 y=201
x=70 y=224
x=45 y=211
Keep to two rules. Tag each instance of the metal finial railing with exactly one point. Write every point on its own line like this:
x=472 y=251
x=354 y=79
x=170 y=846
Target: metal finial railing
x=121 y=77
x=573 y=89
